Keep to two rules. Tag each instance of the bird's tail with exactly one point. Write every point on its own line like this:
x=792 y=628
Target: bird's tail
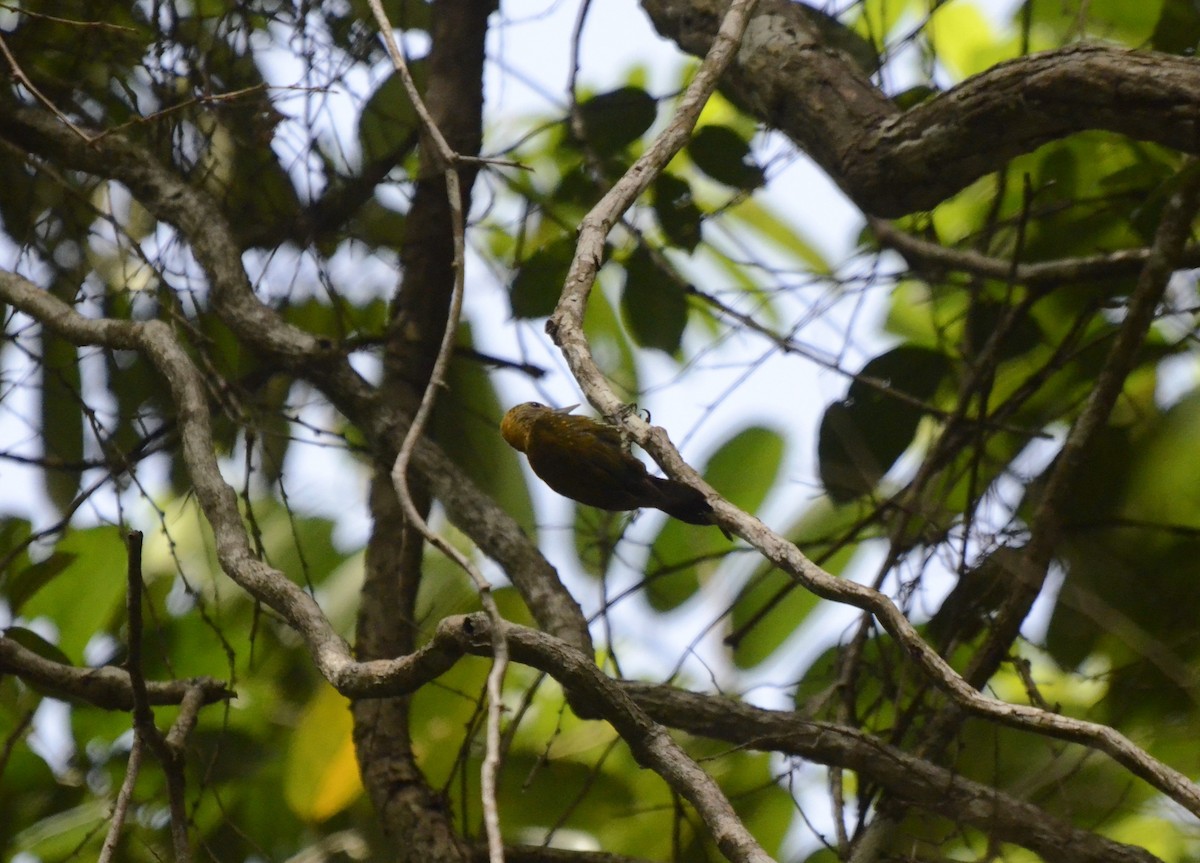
x=681 y=501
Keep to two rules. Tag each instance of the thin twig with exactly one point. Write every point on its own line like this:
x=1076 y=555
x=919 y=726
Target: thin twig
x=449 y=162
x=121 y=806
x=1043 y=275
x=143 y=717
x=23 y=79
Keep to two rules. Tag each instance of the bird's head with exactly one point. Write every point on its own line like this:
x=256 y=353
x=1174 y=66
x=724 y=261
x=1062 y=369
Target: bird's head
x=518 y=422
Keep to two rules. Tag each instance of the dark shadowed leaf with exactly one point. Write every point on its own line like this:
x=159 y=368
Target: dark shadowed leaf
x=677 y=212
x=862 y=436
x=465 y=425
x=387 y=129
x=653 y=304
x=613 y=120
x=1178 y=27
x=724 y=155
x=536 y=288
x=62 y=419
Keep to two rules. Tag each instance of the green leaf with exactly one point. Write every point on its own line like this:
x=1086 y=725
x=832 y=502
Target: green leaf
x=914 y=96
x=772 y=606
x=767 y=611
x=62 y=418
x=610 y=345
x=613 y=120
x=743 y=470
x=869 y=696
x=379 y=226
x=676 y=210
x=1177 y=30
x=85 y=599
x=862 y=436
x=653 y=304
x=24 y=584
x=321 y=775
x=724 y=155
x=539 y=281
x=775 y=228
x=336 y=322
x=388 y=127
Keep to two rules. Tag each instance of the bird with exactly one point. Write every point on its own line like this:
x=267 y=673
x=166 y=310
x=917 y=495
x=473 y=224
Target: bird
x=587 y=460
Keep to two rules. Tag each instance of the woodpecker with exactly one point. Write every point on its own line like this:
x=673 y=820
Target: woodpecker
x=587 y=461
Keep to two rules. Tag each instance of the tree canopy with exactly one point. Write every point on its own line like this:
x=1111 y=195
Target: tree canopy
x=271 y=274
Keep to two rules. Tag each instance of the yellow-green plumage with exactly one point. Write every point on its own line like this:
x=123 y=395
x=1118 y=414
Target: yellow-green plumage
x=586 y=461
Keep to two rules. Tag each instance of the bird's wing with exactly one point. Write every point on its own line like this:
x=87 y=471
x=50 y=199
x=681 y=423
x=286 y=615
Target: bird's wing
x=584 y=461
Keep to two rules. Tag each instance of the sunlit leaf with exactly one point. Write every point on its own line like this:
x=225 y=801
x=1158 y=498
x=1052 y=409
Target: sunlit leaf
x=771 y=606
x=743 y=470
x=28 y=581
x=84 y=599
x=321 y=776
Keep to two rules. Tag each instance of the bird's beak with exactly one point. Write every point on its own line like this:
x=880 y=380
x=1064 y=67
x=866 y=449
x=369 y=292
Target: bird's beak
x=567 y=409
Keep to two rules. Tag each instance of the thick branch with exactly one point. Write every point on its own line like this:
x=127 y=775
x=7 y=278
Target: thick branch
x=107 y=687
x=891 y=162
x=911 y=779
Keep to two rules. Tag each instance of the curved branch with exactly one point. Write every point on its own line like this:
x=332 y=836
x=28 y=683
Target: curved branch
x=633 y=707
x=891 y=162
x=927 y=257
x=602 y=696
x=257 y=326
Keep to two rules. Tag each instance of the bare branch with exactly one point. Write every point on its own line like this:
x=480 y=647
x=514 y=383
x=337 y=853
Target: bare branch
x=923 y=256
x=121 y=806
x=107 y=687
x=595 y=694
x=172 y=199
x=144 y=728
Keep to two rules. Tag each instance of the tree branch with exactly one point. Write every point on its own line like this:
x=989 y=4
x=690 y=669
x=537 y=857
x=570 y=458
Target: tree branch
x=923 y=256
x=107 y=687
x=259 y=328
x=566 y=327
x=891 y=162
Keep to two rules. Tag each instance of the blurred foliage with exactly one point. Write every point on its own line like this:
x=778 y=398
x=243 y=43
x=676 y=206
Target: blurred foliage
x=930 y=456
